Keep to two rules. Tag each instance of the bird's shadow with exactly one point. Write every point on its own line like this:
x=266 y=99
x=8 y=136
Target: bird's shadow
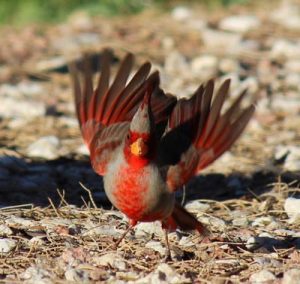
x=23 y=181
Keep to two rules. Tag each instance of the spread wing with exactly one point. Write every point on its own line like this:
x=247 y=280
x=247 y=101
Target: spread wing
x=104 y=112
x=202 y=131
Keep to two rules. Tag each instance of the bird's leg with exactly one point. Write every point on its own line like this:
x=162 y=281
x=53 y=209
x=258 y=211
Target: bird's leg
x=168 y=251
x=183 y=195
x=130 y=226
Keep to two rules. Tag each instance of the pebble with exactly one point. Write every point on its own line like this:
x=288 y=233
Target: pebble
x=36 y=241
x=283 y=49
x=5 y=230
x=197 y=206
x=77 y=275
x=20 y=223
x=292 y=66
x=215 y=222
x=262 y=221
x=17 y=108
x=93 y=229
x=287 y=15
x=7 y=245
x=291 y=276
x=45 y=147
x=83 y=150
x=181 y=13
x=292 y=209
x=292 y=161
x=175 y=63
x=163 y=274
x=205 y=67
x=262 y=277
x=145 y=229
x=292 y=81
x=229 y=65
x=112 y=259
x=157 y=246
x=239 y=23
x=36 y=274
x=226 y=41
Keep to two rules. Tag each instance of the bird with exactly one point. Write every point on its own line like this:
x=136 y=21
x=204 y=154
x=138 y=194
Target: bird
x=146 y=143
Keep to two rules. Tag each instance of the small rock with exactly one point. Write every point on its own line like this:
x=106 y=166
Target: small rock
x=287 y=14
x=221 y=40
x=240 y=221
x=262 y=221
x=96 y=230
x=6 y=245
x=181 y=13
x=262 y=277
x=228 y=65
x=292 y=81
x=176 y=63
x=112 y=259
x=283 y=49
x=20 y=223
x=291 y=276
x=157 y=246
x=36 y=274
x=292 y=209
x=83 y=150
x=5 y=231
x=17 y=108
x=163 y=274
x=143 y=230
x=253 y=243
x=239 y=23
x=197 y=206
x=215 y=222
x=292 y=161
x=292 y=66
x=77 y=275
x=205 y=66
x=186 y=242
x=36 y=241
x=45 y=147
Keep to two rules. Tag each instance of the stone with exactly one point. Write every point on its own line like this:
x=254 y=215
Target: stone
x=291 y=276
x=181 y=13
x=17 y=108
x=262 y=277
x=283 y=49
x=7 y=245
x=144 y=229
x=228 y=65
x=45 y=147
x=112 y=259
x=5 y=231
x=163 y=274
x=77 y=275
x=292 y=161
x=221 y=40
x=157 y=246
x=197 y=206
x=205 y=66
x=36 y=274
x=239 y=23
x=292 y=209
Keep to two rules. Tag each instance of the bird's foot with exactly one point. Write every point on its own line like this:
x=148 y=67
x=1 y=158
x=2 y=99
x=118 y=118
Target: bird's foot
x=168 y=256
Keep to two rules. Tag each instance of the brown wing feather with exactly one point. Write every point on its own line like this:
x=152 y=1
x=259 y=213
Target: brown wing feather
x=104 y=113
x=206 y=132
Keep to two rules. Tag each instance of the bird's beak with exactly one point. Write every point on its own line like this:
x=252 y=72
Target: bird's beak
x=139 y=148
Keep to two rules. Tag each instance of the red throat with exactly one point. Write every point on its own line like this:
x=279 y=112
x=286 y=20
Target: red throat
x=134 y=161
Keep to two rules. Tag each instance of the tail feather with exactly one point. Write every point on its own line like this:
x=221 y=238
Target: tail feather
x=182 y=219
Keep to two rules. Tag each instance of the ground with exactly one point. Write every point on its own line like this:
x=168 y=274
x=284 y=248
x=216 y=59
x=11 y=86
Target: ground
x=56 y=223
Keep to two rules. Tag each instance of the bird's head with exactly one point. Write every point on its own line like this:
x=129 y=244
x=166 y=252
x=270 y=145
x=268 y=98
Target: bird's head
x=140 y=140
